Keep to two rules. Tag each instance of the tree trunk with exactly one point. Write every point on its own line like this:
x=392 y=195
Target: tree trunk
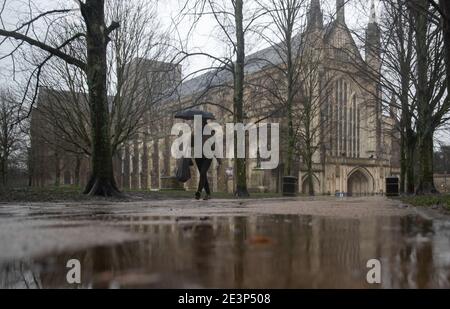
x=410 y=162
x=408 y=138
x=127 y=167
x=135 y=175
x=291 y=143
x=445 y=8
x=145 y=158
x=426 y=175
x=425 y=129
x=240 y=163
x=290 y=99
x=4 y=171
x=402 y=163
x=77 y=170
x=310 y=174
x=155 y=180
x=102 y=179
x=57 y=169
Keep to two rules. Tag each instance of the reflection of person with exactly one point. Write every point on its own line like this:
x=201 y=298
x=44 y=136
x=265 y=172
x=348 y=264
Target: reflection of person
x=203 y=165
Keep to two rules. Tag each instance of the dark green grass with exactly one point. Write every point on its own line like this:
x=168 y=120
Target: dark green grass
x=74 y=194
x=442 y=201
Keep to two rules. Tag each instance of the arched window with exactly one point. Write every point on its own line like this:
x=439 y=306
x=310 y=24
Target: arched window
x=343 y=121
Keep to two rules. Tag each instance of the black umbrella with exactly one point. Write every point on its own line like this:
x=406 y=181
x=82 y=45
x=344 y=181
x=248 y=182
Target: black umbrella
x=190 y=113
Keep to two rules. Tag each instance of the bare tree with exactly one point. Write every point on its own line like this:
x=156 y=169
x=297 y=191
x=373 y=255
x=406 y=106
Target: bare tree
x=97 y=37
x=445 y=16
x=294 y=80
x=432 y=105
x=238 y=98
x=11 y=136
x=298 y=86
x=398 y=59
x=442 y=9
x=313 y=126
x=287 y=42
x=137 y=77
x=235 y=20
x=413 y=73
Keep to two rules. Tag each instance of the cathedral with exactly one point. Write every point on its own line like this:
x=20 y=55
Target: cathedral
x=357 y=147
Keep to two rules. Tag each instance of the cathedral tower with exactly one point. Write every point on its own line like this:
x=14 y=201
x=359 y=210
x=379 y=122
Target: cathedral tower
x=373 y=41
x=340 y=11
x=373 y=61
x=315 y=16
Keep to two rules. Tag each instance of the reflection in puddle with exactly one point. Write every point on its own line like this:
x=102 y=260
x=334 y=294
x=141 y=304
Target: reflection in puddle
x=253 y=252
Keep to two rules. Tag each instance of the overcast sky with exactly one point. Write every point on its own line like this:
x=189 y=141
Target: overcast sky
x=204 y=37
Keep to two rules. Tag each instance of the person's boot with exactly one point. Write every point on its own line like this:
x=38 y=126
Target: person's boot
x=198 y=195
x=207 y=197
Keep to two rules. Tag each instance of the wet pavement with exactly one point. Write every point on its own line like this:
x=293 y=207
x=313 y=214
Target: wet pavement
x=320 y=243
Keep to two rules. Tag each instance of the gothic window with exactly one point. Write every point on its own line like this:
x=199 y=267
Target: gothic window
x=343 y=117
x=354 y=122
x=330 y=125
x=345 y=122
x=358 y=133
x=335 y=126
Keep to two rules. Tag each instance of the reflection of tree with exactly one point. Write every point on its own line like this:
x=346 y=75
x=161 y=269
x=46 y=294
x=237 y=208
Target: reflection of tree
x=412 y=260
x=239 y=251
x=203 y=251
x=424 y=256
x=20 y=275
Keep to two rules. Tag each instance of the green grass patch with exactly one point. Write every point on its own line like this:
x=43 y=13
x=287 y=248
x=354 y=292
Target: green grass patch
x=74 y=194
x=47 y=194
x=429 y=201
x=178 y=194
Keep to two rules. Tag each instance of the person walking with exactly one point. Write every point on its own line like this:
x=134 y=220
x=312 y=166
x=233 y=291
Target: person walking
x=203 y=165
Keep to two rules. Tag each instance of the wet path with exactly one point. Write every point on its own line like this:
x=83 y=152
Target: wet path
x=275 y=244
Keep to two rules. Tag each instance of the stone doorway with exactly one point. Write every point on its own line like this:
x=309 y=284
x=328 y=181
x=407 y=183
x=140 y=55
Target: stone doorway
x=359 y=184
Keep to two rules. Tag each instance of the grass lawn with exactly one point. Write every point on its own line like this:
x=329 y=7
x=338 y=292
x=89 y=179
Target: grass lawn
x=173 y=194
x=73 y=194
x=442 y=201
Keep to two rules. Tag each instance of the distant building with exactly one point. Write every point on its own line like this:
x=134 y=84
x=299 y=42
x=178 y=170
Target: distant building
x=442 y=169
x=359 y=145
x=53 y=159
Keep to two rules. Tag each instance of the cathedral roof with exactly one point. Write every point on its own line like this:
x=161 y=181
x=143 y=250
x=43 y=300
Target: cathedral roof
x=254 y=63
x=329 y=30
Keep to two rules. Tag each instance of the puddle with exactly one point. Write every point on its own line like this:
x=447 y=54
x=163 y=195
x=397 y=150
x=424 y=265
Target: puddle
x=252 y=252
